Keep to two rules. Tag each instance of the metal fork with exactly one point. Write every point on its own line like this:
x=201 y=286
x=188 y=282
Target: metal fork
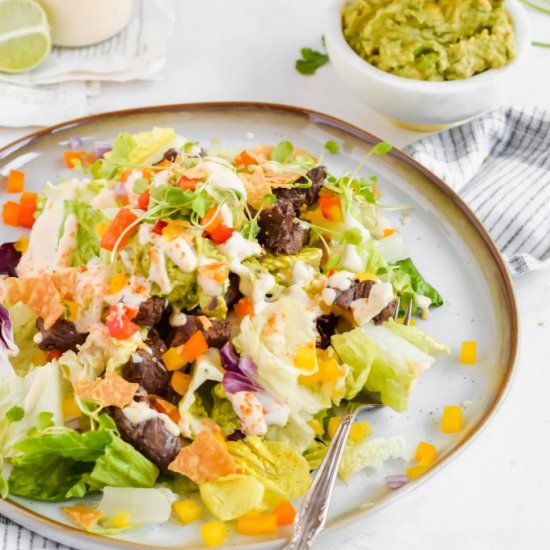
x=313 y=514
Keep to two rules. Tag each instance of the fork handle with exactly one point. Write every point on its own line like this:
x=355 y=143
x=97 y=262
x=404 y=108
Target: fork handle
x=313 y=512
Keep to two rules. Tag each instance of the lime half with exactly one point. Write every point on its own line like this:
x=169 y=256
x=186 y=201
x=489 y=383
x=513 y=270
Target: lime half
x=24 y=35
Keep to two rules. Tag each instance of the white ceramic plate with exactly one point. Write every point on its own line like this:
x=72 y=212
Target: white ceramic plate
x=445 y=240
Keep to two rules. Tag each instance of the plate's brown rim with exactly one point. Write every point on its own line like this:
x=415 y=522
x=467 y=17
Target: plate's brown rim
x=346 y=127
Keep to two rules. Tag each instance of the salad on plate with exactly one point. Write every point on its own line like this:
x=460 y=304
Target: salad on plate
x=182 y=326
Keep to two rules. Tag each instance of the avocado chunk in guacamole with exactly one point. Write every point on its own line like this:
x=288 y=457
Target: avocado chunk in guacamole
x=430 y=40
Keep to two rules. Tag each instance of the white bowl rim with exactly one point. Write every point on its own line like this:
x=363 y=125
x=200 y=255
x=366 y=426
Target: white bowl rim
x=523 y=42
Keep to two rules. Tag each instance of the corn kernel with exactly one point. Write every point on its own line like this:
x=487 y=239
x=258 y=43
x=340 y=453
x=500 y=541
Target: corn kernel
x=316 y=426
x=70 y=408
x=117 y=283
x=426 y=453
x=21 y=244
x=187 y=511
x=101 y=228
x=468 y=353
x=359 y=431
x=39 y=358
x=213 y=533
x=416 y=471
x=179 y=382
x=257 y=524
x=306 y=358
x=174 y=358
x=366 y=276
x=121 y=520
x=452 y=419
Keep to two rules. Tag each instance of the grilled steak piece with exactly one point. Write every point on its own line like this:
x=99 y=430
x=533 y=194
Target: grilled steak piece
x=362 y=290
x=280 y=231
x=303 y=197
x=326 y=327
x=169 y=154
x=62 y=335
x=233 y=294
x=217 y=334
x=151 y=438
x=150 y=312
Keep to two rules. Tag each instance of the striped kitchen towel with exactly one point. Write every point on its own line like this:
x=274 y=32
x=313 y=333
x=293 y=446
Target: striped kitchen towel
x=15 y=537
x=500 y=164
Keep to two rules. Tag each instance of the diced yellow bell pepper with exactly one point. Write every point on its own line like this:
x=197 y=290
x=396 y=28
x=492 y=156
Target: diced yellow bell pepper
x=359 y=431
x=426 y=453
x=412 y=322
x=306 y=358
x=366 y=276
x=416 y=471
x=187 y=511
x=317 y=427
x=117 y=283
x=39 y=358
x=329 y=370
x=468 y=352
x=71 y=309
x=121 y=520
x=257 y=524
x=213 y=533
x=172 y=231
x=70 y=408
x=452 y=419
x=21 y=244
x=101 y=228
x=174 y=358
x=179 y=382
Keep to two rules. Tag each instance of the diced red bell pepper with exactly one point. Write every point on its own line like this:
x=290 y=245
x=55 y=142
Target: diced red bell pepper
x=143 y=200
x=122 y=221
x=54 y=354
x=211 y=220
x=215 y=228
x=331 y=207
x=158 y=227
x=221 y=233
x=187 y=184
x=244 y=307
x=119 y=321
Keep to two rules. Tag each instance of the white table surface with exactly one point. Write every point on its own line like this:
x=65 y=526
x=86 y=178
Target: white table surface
x=494 y=495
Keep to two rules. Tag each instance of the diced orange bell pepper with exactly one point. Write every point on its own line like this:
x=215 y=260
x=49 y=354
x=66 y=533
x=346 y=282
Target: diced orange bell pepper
x=389 y=232
x=143 y=200
x=26 y=215
x=452 y=419
x=244 y=158
x=331 y=207
x=187 y=184
x=244 y=307
x=179 y=382
x=28 y=198
x=10 y=213
x=195 y=346
x=285 y=513
x=16 y=181
x=72 y=157
x=174 y=358
x=426 y=453
x=257 y=524
x=122 y=221
x=165 y=407
x=211 y=220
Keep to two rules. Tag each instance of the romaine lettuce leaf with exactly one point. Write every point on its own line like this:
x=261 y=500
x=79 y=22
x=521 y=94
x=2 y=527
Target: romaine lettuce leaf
x=24 y=328
x=417 y=337
x=87 y=238
x=281 y=266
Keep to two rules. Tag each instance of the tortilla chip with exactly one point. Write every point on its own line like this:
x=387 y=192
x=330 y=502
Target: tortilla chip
x=112 y=390
x=83 y=516
x=45 y=301
x=283 y=180
x=256 y=186
x=206 y=459
x=263 y=152
x=196 y=173
x=65 y=282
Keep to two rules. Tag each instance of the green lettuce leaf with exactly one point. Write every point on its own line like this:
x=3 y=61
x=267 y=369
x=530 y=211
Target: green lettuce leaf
x=222 y=412
x=281 y=266
x=24 y=329
x=358 y=352
x=419 y=338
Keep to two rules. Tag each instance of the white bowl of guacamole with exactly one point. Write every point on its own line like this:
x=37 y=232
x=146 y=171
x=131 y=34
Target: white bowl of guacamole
x=425 y=64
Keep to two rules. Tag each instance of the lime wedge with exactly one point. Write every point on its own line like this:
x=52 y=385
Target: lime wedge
x=24 y=35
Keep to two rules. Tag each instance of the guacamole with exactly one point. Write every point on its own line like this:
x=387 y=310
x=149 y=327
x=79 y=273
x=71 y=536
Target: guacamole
x=430 y=40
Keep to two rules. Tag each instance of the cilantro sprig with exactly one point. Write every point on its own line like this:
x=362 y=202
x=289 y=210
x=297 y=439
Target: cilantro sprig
x=310 y=61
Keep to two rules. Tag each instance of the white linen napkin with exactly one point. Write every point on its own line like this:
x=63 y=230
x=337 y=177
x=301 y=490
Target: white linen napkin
x=500 y=164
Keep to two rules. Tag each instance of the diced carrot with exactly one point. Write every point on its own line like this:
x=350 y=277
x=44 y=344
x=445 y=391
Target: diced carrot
x=195 y=346
x=244 y=158
x=244 y=307
x=257 y=524
x=16 y=181
x=122 y=221
x=10 y=213
x=187 y=184
x=285 y=513
x=165 y=407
